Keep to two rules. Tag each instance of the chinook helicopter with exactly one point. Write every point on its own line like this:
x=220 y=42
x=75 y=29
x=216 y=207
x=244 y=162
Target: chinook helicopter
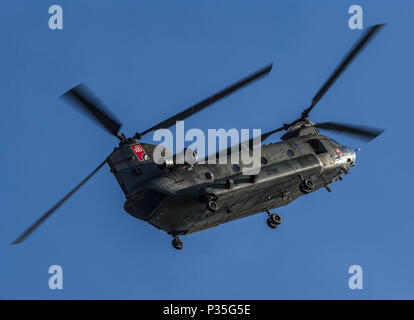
x=186 y=198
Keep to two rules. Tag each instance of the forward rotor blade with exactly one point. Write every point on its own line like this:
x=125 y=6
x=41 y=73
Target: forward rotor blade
x=210 y=100
x=363 y=132
x=344 y=64
x=83 y=99
x=38 y=222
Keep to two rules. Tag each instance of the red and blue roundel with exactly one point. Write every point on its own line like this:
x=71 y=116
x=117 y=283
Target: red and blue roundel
x=139 y=152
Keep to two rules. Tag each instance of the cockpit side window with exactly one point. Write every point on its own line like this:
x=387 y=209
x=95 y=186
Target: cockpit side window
x=317 y=146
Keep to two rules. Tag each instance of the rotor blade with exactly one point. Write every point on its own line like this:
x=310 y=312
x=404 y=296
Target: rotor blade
x=344 y=64
x=363 y=132
x=210 y=100
x=268 y=134
x=83 y=99
x=38 y=222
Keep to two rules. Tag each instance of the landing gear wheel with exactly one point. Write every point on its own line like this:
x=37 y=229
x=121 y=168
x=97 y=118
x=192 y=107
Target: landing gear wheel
x=212 y=206
x=274 y=220
x=307 y=186
x=177 y=243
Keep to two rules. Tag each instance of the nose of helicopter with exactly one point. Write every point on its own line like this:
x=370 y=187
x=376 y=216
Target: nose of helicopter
x=348 y=157
x=352 y=157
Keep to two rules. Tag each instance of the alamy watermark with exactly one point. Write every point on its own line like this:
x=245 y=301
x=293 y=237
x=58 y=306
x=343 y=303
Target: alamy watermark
x=56 y=280
x=56 y=20
x=355 y=21
x=241 y=151
x=356 y=280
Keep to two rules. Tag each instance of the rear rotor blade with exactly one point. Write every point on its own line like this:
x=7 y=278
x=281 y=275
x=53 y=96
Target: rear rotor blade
x=38 y=222
x=363 y=132
x=268 y=134
x=344 y=64
x=209 y=101
x=82 y=98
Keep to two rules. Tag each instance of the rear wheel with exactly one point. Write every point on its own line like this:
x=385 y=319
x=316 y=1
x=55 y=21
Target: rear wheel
x=177 y=243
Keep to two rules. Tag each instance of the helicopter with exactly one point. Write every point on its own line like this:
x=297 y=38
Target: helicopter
x=181 y=199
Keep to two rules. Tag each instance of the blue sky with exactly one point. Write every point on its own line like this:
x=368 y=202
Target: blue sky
x=150 y=59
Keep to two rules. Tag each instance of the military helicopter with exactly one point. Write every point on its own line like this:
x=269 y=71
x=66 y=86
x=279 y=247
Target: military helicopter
x=183 y=199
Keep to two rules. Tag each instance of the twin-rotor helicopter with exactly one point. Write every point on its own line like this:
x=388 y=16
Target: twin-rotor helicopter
x=186 y=198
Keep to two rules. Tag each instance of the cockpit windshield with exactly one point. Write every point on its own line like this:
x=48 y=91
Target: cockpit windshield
x=317 y=146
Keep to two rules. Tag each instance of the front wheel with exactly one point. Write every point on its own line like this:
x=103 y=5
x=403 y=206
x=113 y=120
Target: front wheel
x=307 y=186
x=274 y=220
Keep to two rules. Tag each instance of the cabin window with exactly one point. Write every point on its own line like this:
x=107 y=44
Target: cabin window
x=317 y=146
x=236 y=167
x=209 y=175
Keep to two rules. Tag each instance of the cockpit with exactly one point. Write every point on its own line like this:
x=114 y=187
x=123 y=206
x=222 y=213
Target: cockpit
x=345 y=156
x=341 y=155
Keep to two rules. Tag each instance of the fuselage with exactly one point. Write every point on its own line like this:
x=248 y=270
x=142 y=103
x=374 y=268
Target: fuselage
x=176 y=199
